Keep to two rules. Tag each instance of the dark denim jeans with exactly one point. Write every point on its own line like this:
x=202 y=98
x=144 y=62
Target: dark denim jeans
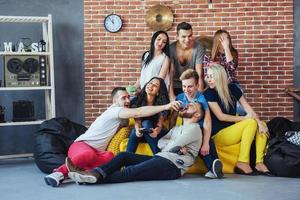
x=137 y=168
x=209 y=159
x=134 y=140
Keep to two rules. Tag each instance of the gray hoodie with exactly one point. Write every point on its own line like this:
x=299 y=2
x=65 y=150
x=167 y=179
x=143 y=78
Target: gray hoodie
x=189 y=136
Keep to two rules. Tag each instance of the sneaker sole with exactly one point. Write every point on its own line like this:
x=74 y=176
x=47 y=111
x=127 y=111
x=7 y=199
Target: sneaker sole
x=80 y=178
x=50 y=181
x=210 y=177
x=217 y=169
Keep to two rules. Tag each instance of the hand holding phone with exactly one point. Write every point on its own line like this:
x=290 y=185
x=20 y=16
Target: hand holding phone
x=177 y=150
x=146 y=130
x=182 y=108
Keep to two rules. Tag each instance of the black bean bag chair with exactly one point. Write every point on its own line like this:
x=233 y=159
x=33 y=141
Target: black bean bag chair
x=52 y=142
x=282 y=157
x=279 y=125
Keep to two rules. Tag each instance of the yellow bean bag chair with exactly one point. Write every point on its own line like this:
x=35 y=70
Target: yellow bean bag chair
x=114 y=144
x=123 y=133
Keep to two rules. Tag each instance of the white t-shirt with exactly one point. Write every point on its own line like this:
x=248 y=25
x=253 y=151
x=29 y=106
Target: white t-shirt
x=102 y=129
x=153 y=69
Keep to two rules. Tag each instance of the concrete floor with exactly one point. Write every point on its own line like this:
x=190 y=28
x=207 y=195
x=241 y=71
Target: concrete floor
x=21 y=179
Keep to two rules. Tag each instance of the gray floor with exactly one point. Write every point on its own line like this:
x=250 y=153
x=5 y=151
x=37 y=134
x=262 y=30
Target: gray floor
x=21 y=179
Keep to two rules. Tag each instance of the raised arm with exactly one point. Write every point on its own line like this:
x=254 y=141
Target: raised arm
x=147 y=111
x=199 y=69
x=199 y=66
x=225 y=43
x=232 y=60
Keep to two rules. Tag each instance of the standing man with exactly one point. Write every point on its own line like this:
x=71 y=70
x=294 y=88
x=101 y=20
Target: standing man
x=185 y=53
x=89 y=149
x=189 y=79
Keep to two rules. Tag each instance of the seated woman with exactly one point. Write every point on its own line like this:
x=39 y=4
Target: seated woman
x=149 y=129
x=229 y=129
x=155 y=62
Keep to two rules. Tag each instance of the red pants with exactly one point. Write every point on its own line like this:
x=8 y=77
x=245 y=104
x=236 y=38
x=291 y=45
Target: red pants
x=84 y=156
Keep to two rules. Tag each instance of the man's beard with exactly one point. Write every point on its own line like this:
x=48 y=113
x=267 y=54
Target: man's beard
x=186 y=115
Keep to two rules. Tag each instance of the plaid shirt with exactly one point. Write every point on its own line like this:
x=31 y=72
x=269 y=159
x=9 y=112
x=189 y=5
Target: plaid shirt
x=230 y=67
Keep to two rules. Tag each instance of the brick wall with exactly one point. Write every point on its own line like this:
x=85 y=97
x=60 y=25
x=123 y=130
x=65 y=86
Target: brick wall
x=262 y=32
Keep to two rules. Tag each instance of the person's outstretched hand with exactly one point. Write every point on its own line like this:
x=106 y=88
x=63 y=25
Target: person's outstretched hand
x=175 y=105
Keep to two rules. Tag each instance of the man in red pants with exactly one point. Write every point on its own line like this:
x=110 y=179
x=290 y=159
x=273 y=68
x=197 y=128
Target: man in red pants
x=88 y=150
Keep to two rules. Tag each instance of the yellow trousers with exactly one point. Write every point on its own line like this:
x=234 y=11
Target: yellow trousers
x=243 y=132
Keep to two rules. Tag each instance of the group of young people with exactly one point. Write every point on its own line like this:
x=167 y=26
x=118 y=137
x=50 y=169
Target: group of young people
x=176 y=79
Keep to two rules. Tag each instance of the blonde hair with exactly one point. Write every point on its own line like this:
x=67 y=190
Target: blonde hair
x=189 y=73
x=221 y=85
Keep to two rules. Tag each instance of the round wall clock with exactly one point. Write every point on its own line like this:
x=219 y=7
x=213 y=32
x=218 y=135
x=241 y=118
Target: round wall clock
x=113 y=23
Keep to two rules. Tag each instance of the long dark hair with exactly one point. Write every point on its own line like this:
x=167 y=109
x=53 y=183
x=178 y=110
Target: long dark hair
x=162 y=97
x=152 y=47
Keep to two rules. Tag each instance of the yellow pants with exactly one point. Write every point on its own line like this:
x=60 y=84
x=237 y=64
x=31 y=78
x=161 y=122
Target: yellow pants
x=243 y=132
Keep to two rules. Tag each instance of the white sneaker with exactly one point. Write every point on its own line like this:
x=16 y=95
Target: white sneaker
x=217 y=168
x=84 y=177
x=210 y=175
x=54 y=179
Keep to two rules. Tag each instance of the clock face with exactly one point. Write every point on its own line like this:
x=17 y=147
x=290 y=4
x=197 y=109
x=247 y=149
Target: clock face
x=113 y=23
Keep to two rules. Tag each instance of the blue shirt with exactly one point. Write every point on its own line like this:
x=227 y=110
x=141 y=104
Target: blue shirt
x=212 y=96
x=199 y=98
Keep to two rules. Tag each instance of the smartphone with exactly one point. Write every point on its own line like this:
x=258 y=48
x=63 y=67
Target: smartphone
x=146 y=130
x=182 y=108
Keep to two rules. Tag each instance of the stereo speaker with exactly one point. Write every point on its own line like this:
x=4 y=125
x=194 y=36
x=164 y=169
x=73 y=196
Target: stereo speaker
x=23 y=111
x=25 y=71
